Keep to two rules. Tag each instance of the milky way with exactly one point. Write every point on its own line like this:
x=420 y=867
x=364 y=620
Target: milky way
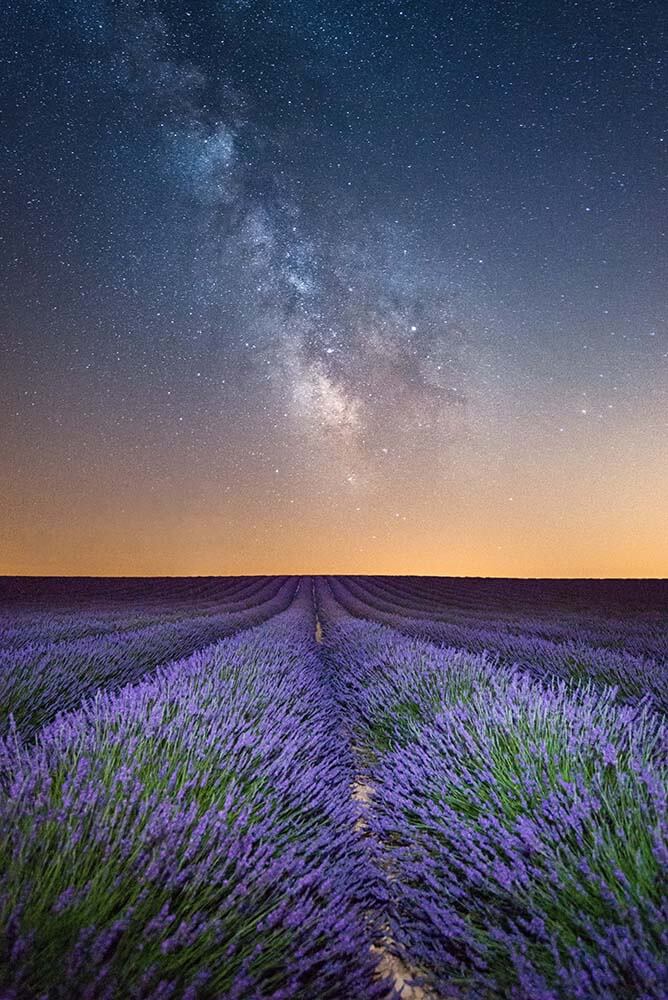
x=386 y=276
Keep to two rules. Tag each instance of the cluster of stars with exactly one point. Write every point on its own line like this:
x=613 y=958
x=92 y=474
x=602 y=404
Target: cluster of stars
x=362 y=257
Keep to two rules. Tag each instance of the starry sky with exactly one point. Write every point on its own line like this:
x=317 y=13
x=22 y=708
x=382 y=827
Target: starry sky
x=347 y=286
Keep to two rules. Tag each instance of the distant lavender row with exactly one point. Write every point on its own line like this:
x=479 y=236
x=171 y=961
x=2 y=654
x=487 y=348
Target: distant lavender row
x=190 y=837
x=34 y=593
x=30 y=596
x=18 y=631
x=38 y=682
x=635 y=677
x=641 y=634
x=523 y=831
x=626 y=599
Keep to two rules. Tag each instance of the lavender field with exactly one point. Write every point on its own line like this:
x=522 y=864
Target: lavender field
x=333 y=787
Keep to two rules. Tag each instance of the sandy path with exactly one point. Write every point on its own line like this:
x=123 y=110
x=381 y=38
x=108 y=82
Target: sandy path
x=390 y=966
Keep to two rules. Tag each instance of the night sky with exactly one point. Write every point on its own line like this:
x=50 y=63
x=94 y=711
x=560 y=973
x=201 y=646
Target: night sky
x=333 y=287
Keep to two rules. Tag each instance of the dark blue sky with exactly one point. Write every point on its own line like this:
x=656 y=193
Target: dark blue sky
x=390 y=274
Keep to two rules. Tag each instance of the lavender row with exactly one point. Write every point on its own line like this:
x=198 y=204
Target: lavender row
x=638 y=635
x=37 y=683
x=646 y=599
x=190 y=837
x=635 y=678
x=32 y=594
x=17 y=632
x=27 y=597
x=523 y=831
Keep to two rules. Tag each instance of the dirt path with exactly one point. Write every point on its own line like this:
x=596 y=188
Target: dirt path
x=390 y=966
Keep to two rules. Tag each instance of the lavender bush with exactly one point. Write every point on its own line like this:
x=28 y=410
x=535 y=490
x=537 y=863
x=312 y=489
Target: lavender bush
x=38 y=681
x=641 y=632
x=177 y=811
x=636 y=678
x=522 y=828
x=191 y=836
x=19 y=627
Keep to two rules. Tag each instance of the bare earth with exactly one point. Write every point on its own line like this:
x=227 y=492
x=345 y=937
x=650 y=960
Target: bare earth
x=390 y=966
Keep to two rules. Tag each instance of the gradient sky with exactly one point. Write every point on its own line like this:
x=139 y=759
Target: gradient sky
x=333 y=286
